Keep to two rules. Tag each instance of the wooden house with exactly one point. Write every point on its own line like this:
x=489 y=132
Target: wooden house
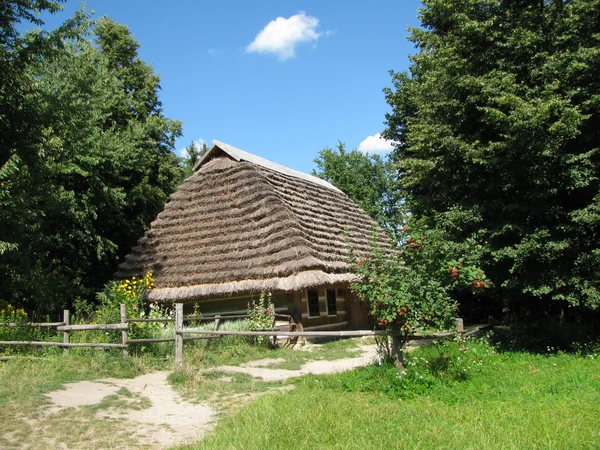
x=241 y=225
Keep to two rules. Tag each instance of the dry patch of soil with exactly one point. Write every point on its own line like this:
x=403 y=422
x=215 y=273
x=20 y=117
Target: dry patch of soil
x=145 y=412
x=257 y=369
x=163 y=421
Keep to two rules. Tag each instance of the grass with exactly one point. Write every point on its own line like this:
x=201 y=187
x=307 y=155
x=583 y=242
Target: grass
x=222 y=389
x=449 y=396
x=212 y=353
x=196 y=385
x=122 y=399
x=469 y=395
x=23 y=381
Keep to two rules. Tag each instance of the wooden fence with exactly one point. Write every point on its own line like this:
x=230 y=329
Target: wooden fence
x=124 y=327
x=184 y=334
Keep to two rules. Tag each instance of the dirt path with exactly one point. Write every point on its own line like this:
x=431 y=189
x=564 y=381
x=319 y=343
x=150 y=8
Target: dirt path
x=259 y=369
x=167 y=421
x=158 y=416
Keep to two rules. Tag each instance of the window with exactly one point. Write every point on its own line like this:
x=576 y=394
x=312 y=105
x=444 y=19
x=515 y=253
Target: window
x=331 y=302
x=313 y=302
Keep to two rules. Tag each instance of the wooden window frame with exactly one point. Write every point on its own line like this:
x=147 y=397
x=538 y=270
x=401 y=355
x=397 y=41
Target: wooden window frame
x=314 y=309
x=330 y=302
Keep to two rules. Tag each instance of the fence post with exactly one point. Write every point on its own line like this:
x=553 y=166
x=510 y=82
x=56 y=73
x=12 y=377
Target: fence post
x=178 y=336
x=460 y=328
x=66 y=333
x=123 y=310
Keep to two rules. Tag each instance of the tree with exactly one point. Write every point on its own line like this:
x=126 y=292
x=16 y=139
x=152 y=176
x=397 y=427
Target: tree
x=18 y=126
x=368 y=180
x=93 y=168
x=416 y=286
x=22 y=141
x=194 y=152
x=496 y=126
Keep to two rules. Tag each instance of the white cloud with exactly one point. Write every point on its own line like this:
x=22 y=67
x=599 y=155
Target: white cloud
x=197 y=145
x=281 y=36
x=375 y=144
x=213 y=51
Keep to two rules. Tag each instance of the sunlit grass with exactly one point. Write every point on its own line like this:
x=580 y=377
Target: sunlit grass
x=484 y=399
x=26 y=424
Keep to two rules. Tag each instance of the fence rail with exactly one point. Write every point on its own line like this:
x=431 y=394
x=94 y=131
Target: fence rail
x=33 y=324
x=186 y=334
x=63 y=344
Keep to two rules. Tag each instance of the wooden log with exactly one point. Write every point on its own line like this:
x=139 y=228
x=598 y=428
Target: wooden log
x=460 y=328
x=283 y=316
x=296 y=333
x=66 y=333
x=213 y=317
x=422 y=337
x=178 y=336
x=149 y=320
x=33 y=324
x=123 y=313
x=347 y=333
x=149 y=341
x=60 y=344
x=196 y=338
x=328 y=326
x=210 y=318
x=97 y=326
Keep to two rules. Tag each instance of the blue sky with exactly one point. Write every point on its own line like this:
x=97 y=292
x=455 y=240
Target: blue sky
x=280 y=79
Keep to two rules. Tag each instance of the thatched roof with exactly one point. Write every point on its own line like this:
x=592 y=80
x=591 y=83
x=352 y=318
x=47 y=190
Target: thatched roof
x=241 y=224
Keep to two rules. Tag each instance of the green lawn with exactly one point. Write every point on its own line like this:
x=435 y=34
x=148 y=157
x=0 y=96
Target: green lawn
x=449 y=397
x=452 y=396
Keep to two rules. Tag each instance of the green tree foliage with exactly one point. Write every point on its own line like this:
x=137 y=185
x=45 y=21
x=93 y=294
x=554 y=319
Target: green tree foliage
x=497 y=125
x=194 y=153
x=369 y=180
x=88 y=160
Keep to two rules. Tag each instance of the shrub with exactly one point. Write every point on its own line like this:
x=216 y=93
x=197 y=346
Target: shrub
x=415 y=286
x=261 y=315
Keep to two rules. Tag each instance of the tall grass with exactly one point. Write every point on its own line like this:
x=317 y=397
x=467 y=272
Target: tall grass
x=449 y=396
x=167 y=331
x=145 y=330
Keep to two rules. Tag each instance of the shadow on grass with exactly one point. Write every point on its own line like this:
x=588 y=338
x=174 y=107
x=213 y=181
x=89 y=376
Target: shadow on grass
x=548 y=336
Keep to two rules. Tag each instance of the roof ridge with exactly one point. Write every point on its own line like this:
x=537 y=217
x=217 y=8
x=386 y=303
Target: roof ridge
x=241 y=155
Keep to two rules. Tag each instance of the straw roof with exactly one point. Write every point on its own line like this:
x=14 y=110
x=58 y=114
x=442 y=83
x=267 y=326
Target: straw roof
x=241 y=224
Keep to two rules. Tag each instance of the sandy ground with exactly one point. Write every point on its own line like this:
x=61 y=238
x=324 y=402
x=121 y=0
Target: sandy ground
x=170 y=420
x=257 y=369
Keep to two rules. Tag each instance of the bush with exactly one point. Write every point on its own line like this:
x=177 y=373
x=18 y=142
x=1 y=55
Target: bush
x=416 y=285
x=261 y=315
x=10 y=314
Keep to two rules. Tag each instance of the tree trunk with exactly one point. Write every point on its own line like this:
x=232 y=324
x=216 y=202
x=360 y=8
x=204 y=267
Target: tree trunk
x=397 y=352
